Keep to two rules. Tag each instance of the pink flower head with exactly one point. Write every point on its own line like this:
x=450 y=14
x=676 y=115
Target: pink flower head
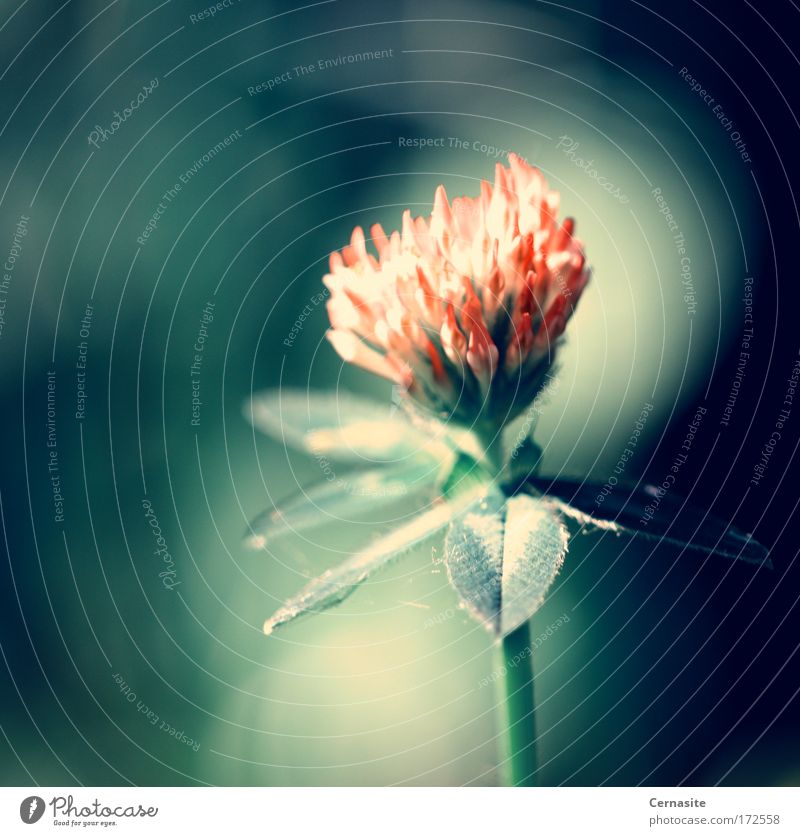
x=463 y=309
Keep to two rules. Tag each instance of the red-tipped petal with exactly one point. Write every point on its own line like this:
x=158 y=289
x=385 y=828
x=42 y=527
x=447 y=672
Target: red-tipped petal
x=379 y=238
x=454 y=342
x=563 y=236
x=439 y=374
x=351 y=349
x=441 y=208
x=335 y=261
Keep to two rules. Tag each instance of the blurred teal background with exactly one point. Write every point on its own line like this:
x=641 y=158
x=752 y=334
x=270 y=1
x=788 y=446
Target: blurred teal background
x=387 y=688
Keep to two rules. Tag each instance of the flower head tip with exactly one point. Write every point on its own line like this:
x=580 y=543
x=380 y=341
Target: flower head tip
x=463 y=309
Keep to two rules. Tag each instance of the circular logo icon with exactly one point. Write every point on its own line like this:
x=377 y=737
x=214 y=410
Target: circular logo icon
x=31 y=809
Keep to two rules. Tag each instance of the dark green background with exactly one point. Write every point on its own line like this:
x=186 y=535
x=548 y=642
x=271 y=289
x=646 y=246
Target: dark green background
x=671 y=668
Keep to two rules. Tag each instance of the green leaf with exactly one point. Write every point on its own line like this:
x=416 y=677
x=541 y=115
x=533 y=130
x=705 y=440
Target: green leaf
x=337 y=425
x=645 y=512
x=473 y=554
x=342 y=499
x=535 y=547
x=338 y=583
x=502 y=556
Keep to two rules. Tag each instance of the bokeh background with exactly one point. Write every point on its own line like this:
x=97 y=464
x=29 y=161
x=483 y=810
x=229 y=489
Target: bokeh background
x=672 y=668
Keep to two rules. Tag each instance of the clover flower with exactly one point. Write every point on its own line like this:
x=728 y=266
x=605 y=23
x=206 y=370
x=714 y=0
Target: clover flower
x=463 y=309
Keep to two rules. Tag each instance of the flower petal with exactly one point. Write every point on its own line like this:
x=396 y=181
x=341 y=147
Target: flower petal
x=353 y=350
x=472 y=299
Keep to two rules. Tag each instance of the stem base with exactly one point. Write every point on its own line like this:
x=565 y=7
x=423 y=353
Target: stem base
x=516 y=696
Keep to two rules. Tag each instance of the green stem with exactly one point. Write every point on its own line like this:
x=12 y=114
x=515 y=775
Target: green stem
x=516 y=694
x=491 y=440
